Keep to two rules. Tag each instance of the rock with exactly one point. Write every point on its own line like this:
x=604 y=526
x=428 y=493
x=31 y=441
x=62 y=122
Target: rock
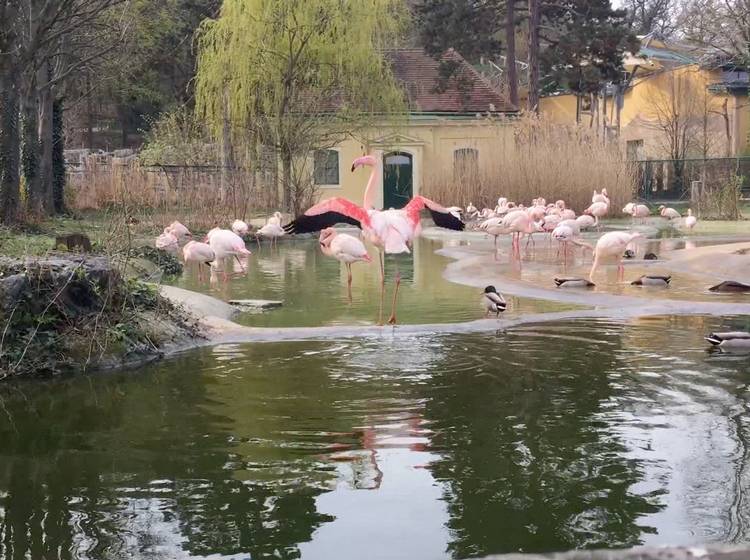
x=256 y=303
x=11 y=289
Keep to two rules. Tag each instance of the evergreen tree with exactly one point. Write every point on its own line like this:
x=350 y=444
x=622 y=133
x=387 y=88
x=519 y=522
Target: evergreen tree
x=472 y=27
x=584 y=41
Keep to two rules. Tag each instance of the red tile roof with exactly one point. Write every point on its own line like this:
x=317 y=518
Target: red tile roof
x=466 y=91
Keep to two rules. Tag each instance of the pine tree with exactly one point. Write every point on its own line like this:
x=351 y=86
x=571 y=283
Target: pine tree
x=584 y=45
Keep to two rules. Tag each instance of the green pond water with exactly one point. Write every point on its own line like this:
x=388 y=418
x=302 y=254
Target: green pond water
x=573 y=434
x=314 y=291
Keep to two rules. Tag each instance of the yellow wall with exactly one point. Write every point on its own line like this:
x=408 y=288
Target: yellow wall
x=649 y=98
x=431 y=144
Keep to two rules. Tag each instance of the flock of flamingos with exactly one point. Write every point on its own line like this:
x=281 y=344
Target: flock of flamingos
x=393 y=231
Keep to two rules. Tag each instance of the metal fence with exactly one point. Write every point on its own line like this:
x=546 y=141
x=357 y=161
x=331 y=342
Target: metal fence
x=673 y=180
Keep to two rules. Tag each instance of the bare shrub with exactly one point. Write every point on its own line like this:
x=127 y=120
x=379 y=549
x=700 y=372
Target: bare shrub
x=723 y=201
x=545 y=159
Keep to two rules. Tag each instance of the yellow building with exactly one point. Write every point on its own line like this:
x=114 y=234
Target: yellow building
x=453 y=127
x=676 y=102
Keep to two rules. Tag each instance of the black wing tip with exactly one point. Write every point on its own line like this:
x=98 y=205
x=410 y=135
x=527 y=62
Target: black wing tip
x=447 y=221
x=313 y=224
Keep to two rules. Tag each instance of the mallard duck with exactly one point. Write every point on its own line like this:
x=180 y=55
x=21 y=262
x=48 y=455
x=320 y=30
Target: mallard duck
x=573 y=283
x=650 y=257
x=652 y=280
x=493 y=301
x=737 y=339
x=730 y=286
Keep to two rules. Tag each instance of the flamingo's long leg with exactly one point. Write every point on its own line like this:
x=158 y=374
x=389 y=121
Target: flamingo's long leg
x=381 y=258
x=392 y=318
x=349 y=280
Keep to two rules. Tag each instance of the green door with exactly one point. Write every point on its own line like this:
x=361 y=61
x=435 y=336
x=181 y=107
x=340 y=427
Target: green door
x=397 y=180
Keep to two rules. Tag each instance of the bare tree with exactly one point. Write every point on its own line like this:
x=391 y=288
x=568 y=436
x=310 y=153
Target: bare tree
x=652 y=16
x=683 y=112
x=533 y=71
x=723 y=25
x=41 y=44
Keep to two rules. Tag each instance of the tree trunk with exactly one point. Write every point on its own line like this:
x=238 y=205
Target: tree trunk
x=510 y=52
x=58 y=157
x=533 y=100
x=31 y=150
x=9 y=144
x=45 y=138
x=286 y=180
x=89 y=114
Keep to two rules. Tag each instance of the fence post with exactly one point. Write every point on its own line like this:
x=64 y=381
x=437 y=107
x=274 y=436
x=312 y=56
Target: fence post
x=696 y=188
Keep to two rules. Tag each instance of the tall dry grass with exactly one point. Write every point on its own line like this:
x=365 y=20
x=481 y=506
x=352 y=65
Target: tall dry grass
x=202 y=196
x=544 y=159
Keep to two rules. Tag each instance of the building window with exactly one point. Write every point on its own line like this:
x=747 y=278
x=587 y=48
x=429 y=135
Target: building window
x=465 y=163
x=326 y=167
x=634 y=149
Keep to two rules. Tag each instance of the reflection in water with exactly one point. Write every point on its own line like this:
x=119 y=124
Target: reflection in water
x=581 y=434
x=313 y=288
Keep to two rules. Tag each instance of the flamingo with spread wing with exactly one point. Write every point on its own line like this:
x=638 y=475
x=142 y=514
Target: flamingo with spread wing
x=391 y=231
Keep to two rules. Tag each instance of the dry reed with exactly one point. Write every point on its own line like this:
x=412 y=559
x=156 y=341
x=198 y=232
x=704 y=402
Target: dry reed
x=202 y=196
x=544 y=159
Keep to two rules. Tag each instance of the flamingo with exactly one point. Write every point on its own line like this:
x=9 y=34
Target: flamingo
x=201 y=253
x=179 y=231
x=275 y=219
x=585 y=221
x=669 y=213
x=167 y=241
x=612 y=244
x=603 y=197
x=240 y=228
x=640 y=211
x=566 y=232
x=598 y=210
x=494 y=227
x=391 y=231
x=344 y=248
x=272 y=230
x=493 y=301
x=628 y=209
x=518 y=222
x=471 y=211
x=226 y=243
x=690 y=220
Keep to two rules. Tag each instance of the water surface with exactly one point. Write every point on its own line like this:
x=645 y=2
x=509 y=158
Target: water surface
x=577 y=434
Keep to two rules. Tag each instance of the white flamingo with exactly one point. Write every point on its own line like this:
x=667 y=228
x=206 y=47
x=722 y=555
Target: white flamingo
x=179 y=231
x=345 y=249
x=202 y=253
x=612 y=245
x=167 y=241
x=690 y=220
x=240 y=228
x=226 y=243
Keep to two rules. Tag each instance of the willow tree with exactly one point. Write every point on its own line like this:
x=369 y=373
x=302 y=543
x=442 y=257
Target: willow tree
x=297 y=75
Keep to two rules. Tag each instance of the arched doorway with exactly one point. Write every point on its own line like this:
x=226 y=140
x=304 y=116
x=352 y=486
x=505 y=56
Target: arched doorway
x=398 y=179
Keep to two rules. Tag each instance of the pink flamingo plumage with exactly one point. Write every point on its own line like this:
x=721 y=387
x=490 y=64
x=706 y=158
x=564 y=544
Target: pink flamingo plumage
x=612 y=245
x=391 y=231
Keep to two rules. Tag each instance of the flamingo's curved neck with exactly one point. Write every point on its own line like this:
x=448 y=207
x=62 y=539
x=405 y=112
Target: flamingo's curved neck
x=367 y=202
